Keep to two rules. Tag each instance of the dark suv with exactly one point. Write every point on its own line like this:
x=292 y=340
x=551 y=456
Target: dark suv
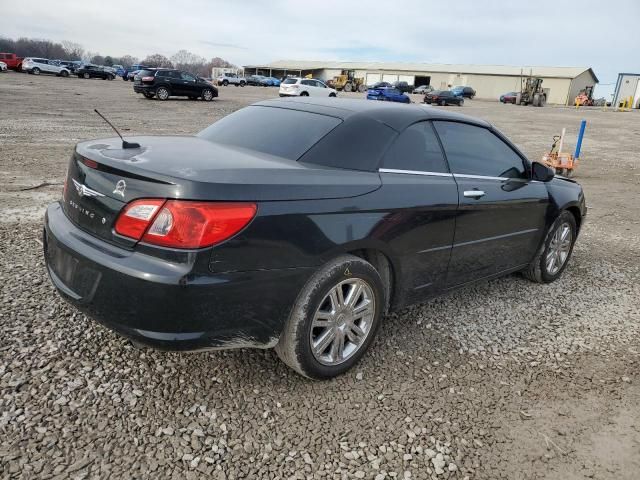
x=404 y=87
x=163 y=83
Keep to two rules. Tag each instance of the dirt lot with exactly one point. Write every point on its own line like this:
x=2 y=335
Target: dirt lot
x=505 y=380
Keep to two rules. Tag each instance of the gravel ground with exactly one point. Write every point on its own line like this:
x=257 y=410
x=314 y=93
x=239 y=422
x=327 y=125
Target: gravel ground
x=504 y=380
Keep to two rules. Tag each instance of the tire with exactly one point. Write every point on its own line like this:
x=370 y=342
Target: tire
x=207 y=94
x=540 y=270
x=110 y=77
x=86 y=76
x=442 y=103
x=536 y=100
x=362 y=88
x=242 y=84
x=461 y=103
x=124 y=79
x=35 y=71
x=332 y=95
x=225 y=83
x=347 y=87
x=304 y=94
x=64 y=74
x=148 y=95
x=543 y=100
x=162 y=93
x=345 y=274
x=518 y=100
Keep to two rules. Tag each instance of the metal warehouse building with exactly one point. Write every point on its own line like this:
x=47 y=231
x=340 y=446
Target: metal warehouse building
x=561 y=84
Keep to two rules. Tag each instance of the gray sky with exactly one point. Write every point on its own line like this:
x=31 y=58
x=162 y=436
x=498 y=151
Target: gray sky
x=598 y=34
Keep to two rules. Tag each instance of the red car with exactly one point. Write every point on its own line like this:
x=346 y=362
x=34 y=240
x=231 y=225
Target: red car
x=12 y=60
x=509 y=97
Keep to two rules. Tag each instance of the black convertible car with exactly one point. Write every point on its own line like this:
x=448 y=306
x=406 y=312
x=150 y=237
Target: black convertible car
x=298 y=223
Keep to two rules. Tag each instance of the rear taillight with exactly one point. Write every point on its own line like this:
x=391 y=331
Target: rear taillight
x=183 y=223
x=147 y=79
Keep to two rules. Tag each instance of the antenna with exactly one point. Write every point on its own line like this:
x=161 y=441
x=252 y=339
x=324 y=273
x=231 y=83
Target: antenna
x=125 y=144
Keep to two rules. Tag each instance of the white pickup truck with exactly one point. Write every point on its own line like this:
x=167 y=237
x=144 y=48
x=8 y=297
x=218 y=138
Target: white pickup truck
x=231 y=79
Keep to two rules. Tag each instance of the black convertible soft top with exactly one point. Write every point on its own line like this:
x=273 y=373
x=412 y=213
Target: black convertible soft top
x=395 y=115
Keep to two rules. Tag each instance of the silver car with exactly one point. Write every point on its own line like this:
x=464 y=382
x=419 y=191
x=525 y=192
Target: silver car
x=42 y=65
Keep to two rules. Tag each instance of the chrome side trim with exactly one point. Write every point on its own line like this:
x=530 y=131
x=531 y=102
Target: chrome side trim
x=415 y=172
x=483 y=177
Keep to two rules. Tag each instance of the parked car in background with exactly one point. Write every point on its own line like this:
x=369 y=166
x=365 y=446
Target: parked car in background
x=36 y=66
x=388 y=94
x=229 y=78
x=72 y=66
x=443 y=97
x=12 y=61
x=131 y=72
x=95 y=71
x=298 y=225
x=380 y=85
x=270 y=82
x=163 y=83
x=509 y=97
x=422 y=89
x=3 y=67
x=305 y=87
x=404 y=87
x=466 y=92
x=255 y=80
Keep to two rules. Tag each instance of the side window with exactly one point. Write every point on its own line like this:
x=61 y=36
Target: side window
x=187 y=76
x=416 y=149
x=310 y=83
x=475 y=150
x=320 y=84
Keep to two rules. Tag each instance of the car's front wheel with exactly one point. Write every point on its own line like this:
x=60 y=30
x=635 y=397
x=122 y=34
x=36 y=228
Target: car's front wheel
x=334 y=319
x=86 y=76
x=35 y=71
x=553 y=255
x=64 y=74
x=304 y=94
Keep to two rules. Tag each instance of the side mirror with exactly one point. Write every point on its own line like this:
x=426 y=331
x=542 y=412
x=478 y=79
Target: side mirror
x=541 y=172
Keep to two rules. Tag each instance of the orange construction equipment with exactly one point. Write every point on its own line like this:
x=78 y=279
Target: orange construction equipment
x=564 y=163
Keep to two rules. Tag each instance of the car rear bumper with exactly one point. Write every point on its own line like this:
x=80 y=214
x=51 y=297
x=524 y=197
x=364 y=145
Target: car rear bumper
x=165 y=304
x=144 y=88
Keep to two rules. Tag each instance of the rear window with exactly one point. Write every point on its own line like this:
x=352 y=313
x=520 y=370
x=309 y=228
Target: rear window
x=147 y=73
x=275 y=131
x=290 y=81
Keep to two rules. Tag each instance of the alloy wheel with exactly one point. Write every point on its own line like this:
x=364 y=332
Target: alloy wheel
x=559 y=249
x=207 y=95
x=342 y=322
x=162 y=93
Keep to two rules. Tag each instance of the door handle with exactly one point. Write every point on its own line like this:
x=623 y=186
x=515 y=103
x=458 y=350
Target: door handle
x=474 y=193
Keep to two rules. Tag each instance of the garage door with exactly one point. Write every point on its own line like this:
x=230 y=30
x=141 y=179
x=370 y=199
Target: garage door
x=373 y=78
x=387 y=77
x=407 y=78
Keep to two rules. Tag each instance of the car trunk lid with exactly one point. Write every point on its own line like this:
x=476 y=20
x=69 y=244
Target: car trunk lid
x=103 y=177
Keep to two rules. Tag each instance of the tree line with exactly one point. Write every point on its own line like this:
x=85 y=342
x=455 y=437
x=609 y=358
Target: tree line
x=66 y=50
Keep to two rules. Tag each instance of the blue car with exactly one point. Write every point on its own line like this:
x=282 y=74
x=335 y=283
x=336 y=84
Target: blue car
x=387 y=94
x=270 y=82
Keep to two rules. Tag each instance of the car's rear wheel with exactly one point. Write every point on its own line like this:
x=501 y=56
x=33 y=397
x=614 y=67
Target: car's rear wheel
x=86 y=75
x=332 y=94
x=554 y=254
x=334 y=319
x=162 y=93
x=442 y=103
x=225 y=83
x=110 y=77
x=242 y=84
x=207 y=94
x=64 y=74
x=35 y=71
x=304 y=94
x=147 y=95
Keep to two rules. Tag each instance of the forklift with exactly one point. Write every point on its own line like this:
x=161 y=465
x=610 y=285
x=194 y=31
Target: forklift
x=531 y=92
x=348 y=82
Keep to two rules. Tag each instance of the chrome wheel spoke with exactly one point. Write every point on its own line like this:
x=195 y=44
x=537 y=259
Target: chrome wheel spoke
x=363 y=308
x=559 y=249
x=324 y=341
x=337 y=348
x=354 y=294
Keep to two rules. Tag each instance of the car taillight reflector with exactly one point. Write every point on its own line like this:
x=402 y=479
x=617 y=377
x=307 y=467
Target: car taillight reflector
x=183 y=223
x=147 y=79
x=136 y=217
